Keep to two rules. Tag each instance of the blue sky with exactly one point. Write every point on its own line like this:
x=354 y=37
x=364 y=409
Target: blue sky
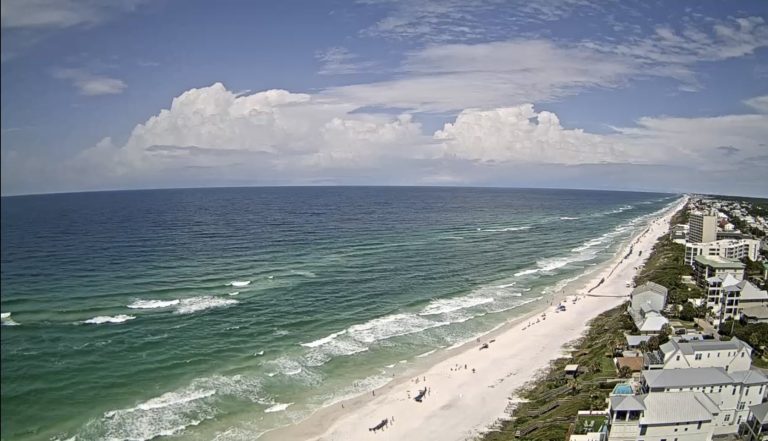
x=669 y=96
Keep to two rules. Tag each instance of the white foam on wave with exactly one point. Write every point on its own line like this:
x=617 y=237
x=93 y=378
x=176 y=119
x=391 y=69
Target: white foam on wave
x=120 y=318
x=324 y=340
x=239 y=283
x=6 y=320
x=167 y=399
x=196 y=304
x=502 y=230
x=279 y=407
x=506 y=285
x=152 y=304
x=527 y=272
x=426 y=354
x=389 y=326
x=234 y=293
x=172 y=412
x=568 y=218
x=303 y=273
x=442 y=306
x=619 y=210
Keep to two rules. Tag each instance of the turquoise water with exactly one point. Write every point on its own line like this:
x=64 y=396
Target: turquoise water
x=125 y=322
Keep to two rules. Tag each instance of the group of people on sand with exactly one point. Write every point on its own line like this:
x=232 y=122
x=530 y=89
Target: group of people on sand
x=382 y=425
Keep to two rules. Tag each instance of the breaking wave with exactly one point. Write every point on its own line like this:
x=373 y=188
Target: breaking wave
x=442 y=306
x=6 y=320
x=109 y=319
x=279 y=407
x=502 y=230
x=196 y=304
x=152 y=304
x=239 y=283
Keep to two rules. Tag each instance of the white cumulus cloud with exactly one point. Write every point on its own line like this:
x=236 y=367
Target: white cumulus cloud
x=519 y=134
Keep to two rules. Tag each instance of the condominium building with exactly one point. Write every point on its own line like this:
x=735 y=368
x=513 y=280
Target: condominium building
x=729 y=249
x=703 y=228
x=728 y=297
x=705 y=267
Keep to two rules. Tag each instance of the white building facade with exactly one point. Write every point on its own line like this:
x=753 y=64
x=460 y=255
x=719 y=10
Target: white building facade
x=727 y=248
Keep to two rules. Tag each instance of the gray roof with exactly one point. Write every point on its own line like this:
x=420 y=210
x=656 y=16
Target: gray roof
x=751 y=292
x=650 y=286
x=760 y=411
x=653 y=323
x=757 y=311
x=666 y=378
x=677 y=407
x=719 y=262
x=627 y=402
x=634 y=340
x=689 y=348
x=749 y=377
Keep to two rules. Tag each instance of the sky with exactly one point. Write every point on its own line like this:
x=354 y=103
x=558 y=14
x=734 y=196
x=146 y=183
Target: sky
x=604 y=94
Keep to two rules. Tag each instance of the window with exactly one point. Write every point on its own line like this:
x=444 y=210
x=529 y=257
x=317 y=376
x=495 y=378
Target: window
x=734 y=390
x=643 y=429
x=708 y=355
x=699 y=426
x=698 y=356
x=727 y=418
x=677 y=358
x=740 y=406
x=742 y=355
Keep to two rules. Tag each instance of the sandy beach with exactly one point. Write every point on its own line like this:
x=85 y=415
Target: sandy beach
x=470 y=388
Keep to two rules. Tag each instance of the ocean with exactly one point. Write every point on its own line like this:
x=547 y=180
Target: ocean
x=223 y=313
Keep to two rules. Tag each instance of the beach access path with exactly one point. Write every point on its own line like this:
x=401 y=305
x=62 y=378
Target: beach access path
x=462 y=403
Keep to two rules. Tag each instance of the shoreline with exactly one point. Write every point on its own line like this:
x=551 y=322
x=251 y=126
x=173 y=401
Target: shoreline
x=462 y=404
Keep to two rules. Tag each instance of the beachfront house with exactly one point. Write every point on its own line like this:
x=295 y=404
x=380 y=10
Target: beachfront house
x=732 y=392
x=685 y=416
x=646 y=303
x=732 y=355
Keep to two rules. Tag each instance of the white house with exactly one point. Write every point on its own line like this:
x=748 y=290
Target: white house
x=732 y=355
x=685 y=416
x=646 y=303
x=732 y=392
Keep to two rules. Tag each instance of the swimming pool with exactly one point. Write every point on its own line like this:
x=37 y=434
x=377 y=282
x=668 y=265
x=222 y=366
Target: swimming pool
x=622 y=389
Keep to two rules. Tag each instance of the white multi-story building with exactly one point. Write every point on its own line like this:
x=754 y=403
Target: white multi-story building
x=692 y=390
x=705 y=267
x=732 y=392
x=732 y=355
x=727 y=248
x=703 y=227
x=728 y=297
x=685 y=416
